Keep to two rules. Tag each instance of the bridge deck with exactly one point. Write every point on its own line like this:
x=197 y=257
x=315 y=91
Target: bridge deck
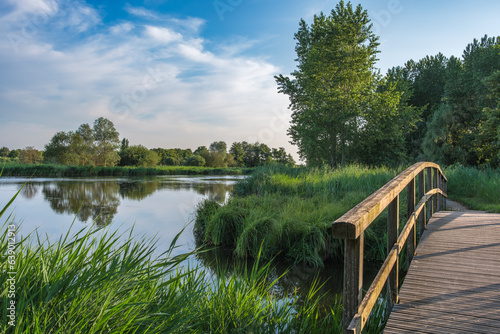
x=453 y=284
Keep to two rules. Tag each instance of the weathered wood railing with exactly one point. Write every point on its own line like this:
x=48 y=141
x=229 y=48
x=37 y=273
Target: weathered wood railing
x=352 y=225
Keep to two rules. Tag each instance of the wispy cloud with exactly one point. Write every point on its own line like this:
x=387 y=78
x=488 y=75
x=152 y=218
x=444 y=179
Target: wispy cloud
x=154 y=78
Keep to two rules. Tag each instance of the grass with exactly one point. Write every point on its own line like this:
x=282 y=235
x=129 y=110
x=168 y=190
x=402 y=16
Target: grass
x=48 y=170
x=288 y=211
x=93 y=283
x=477 y=189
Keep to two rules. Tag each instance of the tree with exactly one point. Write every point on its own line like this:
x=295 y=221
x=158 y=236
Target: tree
x=30 y=155
x=217 y=154
x=56 y=151
x=106 y=142
x=138 y=155
x=86 y=147
x=195 y=160
x=459 y=131
x=331 y=91
x=4 y=152
x=237 y=150
x=14 y=154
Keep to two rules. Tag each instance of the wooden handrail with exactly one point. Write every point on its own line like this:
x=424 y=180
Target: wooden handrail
x=352 y=225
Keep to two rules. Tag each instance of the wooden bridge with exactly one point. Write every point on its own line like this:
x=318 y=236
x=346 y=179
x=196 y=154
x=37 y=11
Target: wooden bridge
x=453 y=282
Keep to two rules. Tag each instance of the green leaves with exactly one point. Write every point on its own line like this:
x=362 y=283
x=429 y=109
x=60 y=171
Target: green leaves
x=333 y=91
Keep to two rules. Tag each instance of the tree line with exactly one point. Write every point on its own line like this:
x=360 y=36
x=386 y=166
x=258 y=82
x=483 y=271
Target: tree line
x=100 y=145
x=344 y=111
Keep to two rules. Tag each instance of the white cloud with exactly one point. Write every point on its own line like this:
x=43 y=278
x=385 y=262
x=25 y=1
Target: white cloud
x=122 y=28
x=141 y=12
x=163 y=35
x=166 y=90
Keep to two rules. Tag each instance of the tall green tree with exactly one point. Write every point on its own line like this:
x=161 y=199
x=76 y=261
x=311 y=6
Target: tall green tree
x=333 y=88
x=454 y=131
x=107 y=142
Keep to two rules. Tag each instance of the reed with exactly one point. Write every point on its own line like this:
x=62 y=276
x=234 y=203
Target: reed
x=288 y=212
x=47 y=170
x=476 y=188
x=99 y=282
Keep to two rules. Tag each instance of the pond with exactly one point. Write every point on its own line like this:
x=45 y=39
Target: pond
x=159 y=206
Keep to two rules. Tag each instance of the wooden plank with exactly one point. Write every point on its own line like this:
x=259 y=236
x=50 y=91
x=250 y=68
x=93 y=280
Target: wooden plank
x=453 y=284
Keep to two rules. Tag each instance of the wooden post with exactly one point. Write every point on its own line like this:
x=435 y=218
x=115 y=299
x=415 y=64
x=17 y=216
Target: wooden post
x=410 y=205
x=353 y=278
x=429 y=187
x=392 y=238
x=421 y=193
x=445 y=186
x=435 y=185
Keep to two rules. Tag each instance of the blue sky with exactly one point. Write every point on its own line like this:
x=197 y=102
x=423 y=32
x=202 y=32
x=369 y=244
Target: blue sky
x=173 y=73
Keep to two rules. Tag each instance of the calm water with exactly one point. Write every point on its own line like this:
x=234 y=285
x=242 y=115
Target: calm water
x=155 y=206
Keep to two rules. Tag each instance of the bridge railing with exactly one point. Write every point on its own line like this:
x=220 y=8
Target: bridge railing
x=351 y=226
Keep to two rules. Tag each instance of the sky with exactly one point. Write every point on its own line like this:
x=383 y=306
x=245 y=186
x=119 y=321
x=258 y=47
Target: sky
x=185 y=73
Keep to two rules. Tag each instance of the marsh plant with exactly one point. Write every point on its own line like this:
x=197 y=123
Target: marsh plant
x=288 y=212
x=97 y=282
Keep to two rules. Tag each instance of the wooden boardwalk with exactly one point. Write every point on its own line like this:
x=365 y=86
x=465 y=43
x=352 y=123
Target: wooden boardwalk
x=453 y=285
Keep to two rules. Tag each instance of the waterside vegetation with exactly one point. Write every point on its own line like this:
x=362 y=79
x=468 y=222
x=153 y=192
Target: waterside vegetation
x=50 y=170
x=94 y=282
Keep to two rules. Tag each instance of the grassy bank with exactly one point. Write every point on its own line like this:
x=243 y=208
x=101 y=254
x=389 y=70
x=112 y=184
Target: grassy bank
x=97 y=282
x=477 y=189
x=288 y=211
x=46 y=170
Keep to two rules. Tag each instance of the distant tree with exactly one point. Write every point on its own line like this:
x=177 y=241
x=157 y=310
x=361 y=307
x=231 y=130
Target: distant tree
x=237 y=150
x=217 y=155
x=195 y=160
x=14 y=154
x=125 y=144
x=30 y=155
x=139 y=156
x=4 y=152
x=203 y=152
x=86 y=147
x=106 y=142
x=280 y=156
x=57 y=150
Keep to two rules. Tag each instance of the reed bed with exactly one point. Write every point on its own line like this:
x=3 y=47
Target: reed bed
x=288 y=212
x=97 y=282
x=477 y=189
x=48 y=170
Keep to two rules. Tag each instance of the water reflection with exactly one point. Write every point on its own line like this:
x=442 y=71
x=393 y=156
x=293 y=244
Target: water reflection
x=98 y=200
x=289 y=278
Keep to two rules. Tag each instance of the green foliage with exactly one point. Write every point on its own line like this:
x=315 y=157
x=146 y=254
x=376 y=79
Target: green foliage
x=87 y=146
x=106 y=142
x=138 y=156
x=334 y=98
x=195 y=160
x=92 y=282
x=287 y=211
x=15 y=169
x=4 y=151
x=463 y=128
x=30 y=155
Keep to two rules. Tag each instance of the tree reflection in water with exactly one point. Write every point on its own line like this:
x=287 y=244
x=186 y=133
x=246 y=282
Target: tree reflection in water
x=98 y=200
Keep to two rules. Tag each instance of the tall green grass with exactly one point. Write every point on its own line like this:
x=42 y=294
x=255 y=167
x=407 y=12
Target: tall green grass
x=477 y=189
x=47 y=170
x=288 y=211
x=100 y=283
